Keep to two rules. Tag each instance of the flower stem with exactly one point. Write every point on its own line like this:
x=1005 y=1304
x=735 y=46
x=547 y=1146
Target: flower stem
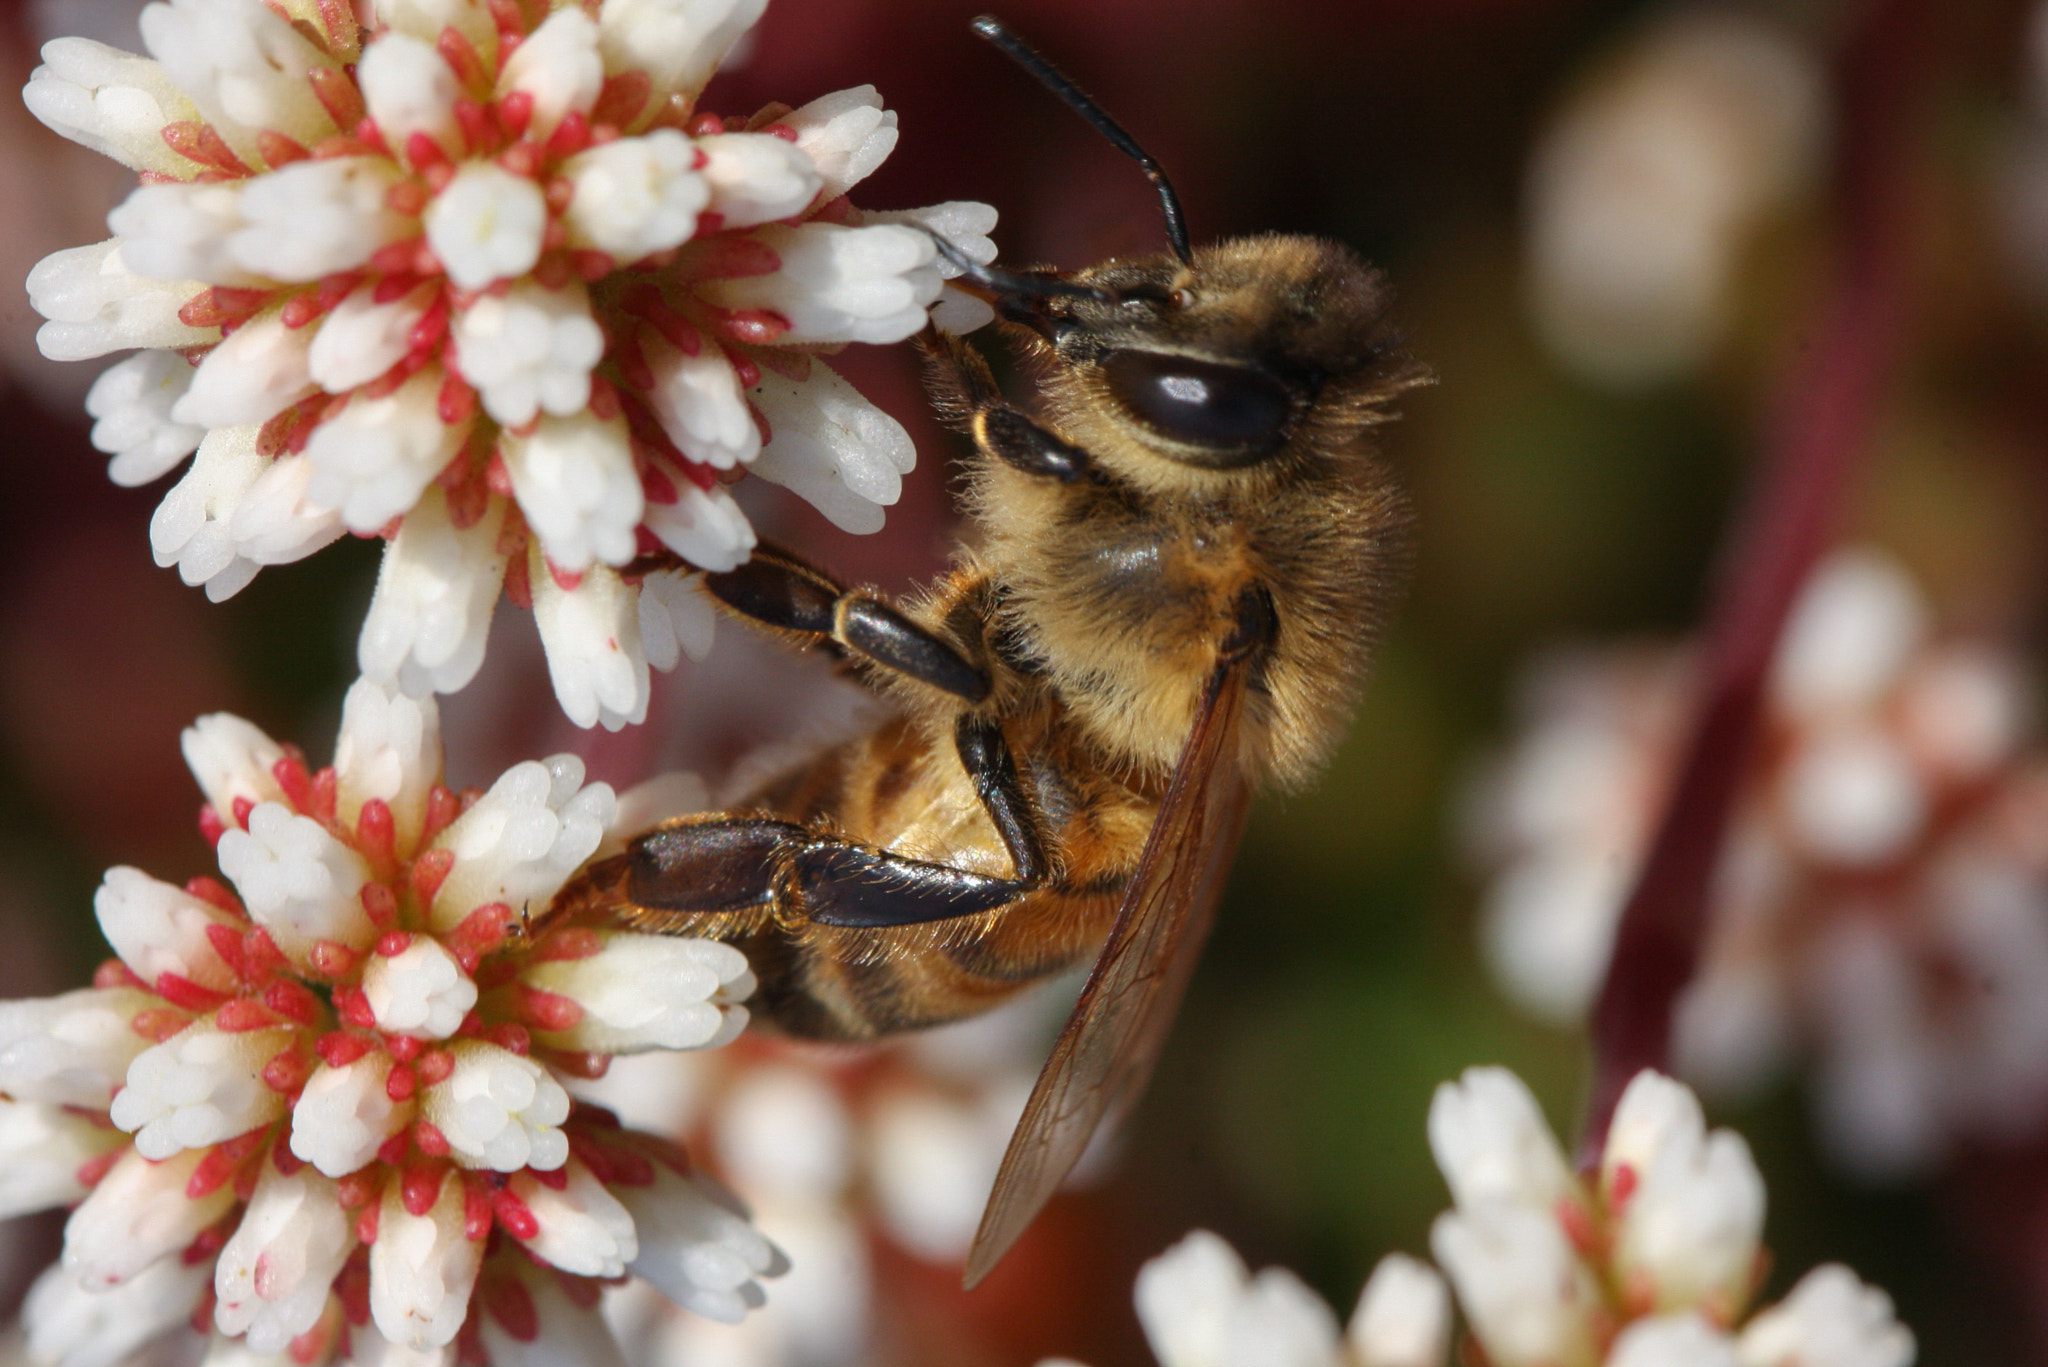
x=1809 y=451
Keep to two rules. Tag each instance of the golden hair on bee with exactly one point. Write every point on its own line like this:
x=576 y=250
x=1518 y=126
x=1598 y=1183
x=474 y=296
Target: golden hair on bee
x=1179 y=557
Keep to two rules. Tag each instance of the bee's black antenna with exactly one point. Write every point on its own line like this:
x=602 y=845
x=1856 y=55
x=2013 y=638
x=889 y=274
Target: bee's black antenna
x=1053 y=79
x=1002 y=283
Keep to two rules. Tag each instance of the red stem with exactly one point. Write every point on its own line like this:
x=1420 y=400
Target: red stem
x=1809 y=451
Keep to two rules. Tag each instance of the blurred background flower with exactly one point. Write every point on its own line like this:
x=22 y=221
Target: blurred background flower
x=1882 y=901
x=1573 y=472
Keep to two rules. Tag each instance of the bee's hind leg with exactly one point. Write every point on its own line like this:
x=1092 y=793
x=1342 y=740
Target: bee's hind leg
x=725 y=864
x=846 y=884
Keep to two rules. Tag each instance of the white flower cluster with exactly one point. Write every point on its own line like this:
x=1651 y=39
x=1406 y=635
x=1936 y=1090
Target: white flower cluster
x=483 y=279
x=1651 y=1265
x=343 y=1074
x=1882 y=895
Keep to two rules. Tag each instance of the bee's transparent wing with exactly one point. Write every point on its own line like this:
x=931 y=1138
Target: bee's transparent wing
x=1106 y=1050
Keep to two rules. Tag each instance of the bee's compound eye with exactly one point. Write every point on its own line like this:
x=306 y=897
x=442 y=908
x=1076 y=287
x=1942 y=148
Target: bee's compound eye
x=1225 y=407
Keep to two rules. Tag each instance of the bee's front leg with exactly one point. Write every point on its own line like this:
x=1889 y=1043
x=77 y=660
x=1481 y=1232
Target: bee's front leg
x=966 y=395
x=779 y=590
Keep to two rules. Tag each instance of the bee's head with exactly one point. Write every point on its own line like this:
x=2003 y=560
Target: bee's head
x=1216 y=359
x=1222 y=361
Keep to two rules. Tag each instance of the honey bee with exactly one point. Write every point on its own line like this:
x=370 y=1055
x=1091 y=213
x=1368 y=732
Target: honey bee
x=1181 y=556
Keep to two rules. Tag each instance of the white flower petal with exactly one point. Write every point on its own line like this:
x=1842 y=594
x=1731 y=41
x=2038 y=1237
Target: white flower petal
x=256 y=373
x=193 y=528
x=676 y=616
x=375 y=458
x=112 y=101
x=839 y=284
x=592 y=637
x=1691 y=1228
x=316 y=218
x=1492 y=1143
x=583 y=1228
x=198 y=1088
x=422 y=1269
x=1672 y=1341
x=179 y=231
x=72 y=1050
x=1849 y=795
x=233 y=761
x=360 y=339
x=131 y=401
x=274 y=1276
x=298 y=881
x=374 y=1350
x=138 y=1214
x=1186 y=1297
x=431 y=612
x=783 y=1128
x=529 y=349
x=498 y=1110
x=641 y=992
x=1858 y=619
x=933 y=1160
x=1403 y=1317
x=1279 y=1322
x=42 y=1150
x=1527 y=1299
x=832 y=448
x=486 y=224
x=558 y=67
x=757 y=178
x=699 y=404
x=521 y=840
x=696 y=1246
x=1831 y=1319
x=575 y=482
x=277 y=521
x=344 y=1114
x=409 y=90
x=157 y=928
x=420 y=991
x=389 y=749
x=678 y=43
x=96 y=304
x=635 y=196
x=73 y=1327
x=846 y=135
x=965 y=224
x=424 y=19
x=244 y=66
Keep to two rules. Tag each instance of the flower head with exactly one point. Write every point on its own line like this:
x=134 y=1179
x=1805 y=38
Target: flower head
x=1650 y=1264
x=343 y=1068
x=487 y=281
